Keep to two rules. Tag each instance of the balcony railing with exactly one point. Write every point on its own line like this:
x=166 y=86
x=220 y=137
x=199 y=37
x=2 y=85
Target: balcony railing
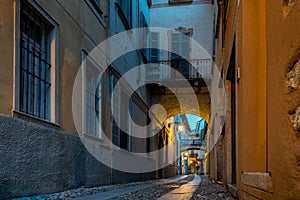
x=191 y=142
x=192 y=69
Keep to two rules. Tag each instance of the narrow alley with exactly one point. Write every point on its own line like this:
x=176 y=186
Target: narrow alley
x=150 y=99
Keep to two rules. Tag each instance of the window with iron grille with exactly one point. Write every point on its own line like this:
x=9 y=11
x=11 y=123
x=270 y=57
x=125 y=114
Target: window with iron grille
x=35 y=64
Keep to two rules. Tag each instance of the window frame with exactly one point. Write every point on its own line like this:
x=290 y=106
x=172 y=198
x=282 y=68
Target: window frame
x=125 y=17
x=98 y=88
x=144 y=35
x=54 y=61
x=113 y=79
x=97 y=12
x=181 y=31
x=97 y=6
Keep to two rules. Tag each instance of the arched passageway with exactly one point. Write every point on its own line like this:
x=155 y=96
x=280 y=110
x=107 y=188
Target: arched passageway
x=184 y=138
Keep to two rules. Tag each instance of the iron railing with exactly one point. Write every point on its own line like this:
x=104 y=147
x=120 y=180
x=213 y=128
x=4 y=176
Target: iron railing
x=191 y=69
x=191 y=142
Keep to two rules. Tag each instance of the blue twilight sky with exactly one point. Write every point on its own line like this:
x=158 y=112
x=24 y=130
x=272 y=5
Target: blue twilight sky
x=192 y=120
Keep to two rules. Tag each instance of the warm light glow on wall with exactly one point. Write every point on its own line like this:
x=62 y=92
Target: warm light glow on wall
x=180 y=128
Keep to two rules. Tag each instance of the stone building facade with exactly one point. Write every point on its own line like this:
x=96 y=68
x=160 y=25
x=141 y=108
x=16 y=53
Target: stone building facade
x=257 y=45
x=44 y=44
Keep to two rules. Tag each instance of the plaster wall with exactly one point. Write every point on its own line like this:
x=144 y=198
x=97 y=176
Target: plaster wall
x=267 y=48
x=283 y=42
x=199 y=17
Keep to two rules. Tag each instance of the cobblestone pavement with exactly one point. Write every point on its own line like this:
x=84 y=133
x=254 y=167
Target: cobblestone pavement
x=83 y=191
x=209 y=190
x=154 y=192
x=156 y=188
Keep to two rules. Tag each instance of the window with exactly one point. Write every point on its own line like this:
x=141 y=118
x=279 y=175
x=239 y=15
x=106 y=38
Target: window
x=97 y=5
x=126 y=12
x=116 y=112
x=124 y=137
x=154 y=52
x=91 y=96
x=121 y=111
x=37 y=65
x=180 y=48
x=144 y=35
x=153 y=72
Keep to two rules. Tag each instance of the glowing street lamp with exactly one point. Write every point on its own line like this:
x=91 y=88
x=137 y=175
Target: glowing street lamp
x=180 y=128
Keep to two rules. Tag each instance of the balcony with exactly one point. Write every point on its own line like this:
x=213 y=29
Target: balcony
x=191 y=142
x=193 y=69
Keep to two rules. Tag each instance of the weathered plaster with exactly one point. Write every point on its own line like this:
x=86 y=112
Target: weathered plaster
x=293 y=78
x=287 y=6
x=295 y=120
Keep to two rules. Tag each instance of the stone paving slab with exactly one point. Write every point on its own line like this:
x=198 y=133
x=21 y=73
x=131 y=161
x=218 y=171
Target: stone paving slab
x=185 y=192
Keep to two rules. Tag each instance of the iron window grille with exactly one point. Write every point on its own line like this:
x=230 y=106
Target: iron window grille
x=35 y=69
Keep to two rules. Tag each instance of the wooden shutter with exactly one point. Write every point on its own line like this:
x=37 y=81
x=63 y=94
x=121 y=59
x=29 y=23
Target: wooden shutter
x=180 y=44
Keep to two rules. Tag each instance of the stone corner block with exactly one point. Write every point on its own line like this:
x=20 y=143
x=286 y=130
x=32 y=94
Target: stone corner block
x=259 y=180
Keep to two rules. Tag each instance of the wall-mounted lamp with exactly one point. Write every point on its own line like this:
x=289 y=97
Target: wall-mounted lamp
x=186 y=154
x=180 y=128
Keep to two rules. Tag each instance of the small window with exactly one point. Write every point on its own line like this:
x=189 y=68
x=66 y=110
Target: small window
x=35 y=64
